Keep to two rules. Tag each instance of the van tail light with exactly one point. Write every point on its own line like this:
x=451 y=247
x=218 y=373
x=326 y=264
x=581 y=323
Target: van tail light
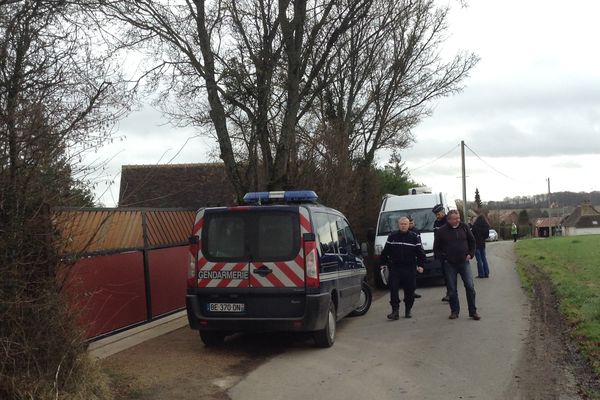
x=311 y=266
x=192 y=271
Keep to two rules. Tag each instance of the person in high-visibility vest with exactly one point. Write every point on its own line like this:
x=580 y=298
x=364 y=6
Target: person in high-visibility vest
x=514 y=231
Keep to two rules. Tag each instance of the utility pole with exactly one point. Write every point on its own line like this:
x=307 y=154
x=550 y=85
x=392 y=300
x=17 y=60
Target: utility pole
x=464 y=181
x=549 y=203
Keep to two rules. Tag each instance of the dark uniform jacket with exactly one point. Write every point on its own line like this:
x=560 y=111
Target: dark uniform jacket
x=403 y=250
x=437 y=224
x=481 y=231
x=453 y=244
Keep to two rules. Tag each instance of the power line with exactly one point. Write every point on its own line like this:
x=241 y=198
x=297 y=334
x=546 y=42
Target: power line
x=437 y=159
x=492 y=167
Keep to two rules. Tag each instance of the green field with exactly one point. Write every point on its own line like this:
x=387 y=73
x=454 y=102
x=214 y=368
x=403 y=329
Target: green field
x=573 y=265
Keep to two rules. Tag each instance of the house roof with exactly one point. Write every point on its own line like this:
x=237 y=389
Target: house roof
x=175 y=185
x=506 y=216
x=584 y=216
x=548 y=222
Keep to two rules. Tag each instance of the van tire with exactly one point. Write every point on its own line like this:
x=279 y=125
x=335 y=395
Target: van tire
x=212 y=338
x=366 y=297
x=326 y=336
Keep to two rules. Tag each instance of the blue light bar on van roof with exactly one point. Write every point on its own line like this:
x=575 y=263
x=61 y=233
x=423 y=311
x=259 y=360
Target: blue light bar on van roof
x=290 y=196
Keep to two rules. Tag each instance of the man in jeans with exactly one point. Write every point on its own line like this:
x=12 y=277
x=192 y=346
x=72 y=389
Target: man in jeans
x=455 y=244
x=481 y=231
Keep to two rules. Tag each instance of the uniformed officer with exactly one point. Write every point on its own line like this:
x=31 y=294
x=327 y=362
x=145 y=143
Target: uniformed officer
x=404 y=255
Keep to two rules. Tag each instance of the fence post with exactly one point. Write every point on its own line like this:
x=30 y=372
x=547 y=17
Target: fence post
x=146 y=268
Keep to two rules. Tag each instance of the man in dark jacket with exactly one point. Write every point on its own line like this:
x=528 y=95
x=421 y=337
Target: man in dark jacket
x=481 y=231
x=404 y=255
x=455 y=244
x=440 y=220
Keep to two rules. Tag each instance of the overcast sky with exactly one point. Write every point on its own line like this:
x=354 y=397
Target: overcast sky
x=530 y=110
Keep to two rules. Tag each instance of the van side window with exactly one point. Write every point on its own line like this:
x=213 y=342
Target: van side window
x=334 y=232
x=346 y=237
x=324 y=232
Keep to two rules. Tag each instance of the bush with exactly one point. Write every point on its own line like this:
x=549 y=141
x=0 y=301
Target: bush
x=42 y=352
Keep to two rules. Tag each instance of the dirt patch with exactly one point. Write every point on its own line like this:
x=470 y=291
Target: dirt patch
x=552 y=367
x=179 y=366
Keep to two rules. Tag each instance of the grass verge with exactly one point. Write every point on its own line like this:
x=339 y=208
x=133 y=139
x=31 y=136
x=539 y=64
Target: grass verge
x=572 y=264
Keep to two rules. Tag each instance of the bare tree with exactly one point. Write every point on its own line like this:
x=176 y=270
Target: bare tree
x=248 y=68
x=385 y=76
x=266 y=77
x=58 y=98
x=385 y=73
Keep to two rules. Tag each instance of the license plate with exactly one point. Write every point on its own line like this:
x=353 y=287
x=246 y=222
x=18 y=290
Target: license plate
x=226 y=307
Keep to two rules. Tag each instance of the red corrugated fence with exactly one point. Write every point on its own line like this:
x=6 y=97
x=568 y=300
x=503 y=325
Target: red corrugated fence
x=130 y=265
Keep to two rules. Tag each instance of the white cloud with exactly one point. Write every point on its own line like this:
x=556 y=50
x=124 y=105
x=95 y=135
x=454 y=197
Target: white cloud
x=531 y=109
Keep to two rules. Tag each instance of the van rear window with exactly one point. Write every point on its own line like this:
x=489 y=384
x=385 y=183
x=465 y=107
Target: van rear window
x=254 y=235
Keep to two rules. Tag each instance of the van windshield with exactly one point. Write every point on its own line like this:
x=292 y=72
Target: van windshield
x=262 y=235
x=423 y=218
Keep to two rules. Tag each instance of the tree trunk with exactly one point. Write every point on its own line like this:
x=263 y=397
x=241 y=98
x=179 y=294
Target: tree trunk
x=293 y=37
x=217 y=111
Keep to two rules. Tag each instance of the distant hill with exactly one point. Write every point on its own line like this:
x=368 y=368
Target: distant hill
x=539 y=201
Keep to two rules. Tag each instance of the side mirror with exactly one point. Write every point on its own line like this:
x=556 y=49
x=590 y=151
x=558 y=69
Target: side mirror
x=371 y=235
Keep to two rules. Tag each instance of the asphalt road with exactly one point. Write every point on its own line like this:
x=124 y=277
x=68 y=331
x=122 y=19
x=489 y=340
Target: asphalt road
x=426 y=357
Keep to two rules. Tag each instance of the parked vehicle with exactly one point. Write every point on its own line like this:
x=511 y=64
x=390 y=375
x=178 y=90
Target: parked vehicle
x=293 y=266
x=418 y=204
x=493 y=236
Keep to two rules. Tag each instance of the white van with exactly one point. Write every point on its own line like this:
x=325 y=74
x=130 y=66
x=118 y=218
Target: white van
x=417 y=204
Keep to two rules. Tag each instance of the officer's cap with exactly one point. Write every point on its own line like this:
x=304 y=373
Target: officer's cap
x=437 y=208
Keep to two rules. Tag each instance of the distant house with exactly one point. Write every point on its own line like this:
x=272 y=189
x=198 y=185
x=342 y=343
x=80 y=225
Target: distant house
x=504 y=216
x=584 y=220
x=175 y=186
x=545 y=227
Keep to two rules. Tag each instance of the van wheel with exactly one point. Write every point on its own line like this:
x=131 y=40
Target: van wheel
x=366 y=296
x=326 y=336
x=212 y=338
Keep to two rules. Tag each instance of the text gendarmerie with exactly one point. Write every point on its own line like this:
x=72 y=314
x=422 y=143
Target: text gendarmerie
x=223 y=275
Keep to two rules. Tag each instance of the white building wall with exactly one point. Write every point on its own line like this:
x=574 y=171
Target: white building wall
x=572 y=231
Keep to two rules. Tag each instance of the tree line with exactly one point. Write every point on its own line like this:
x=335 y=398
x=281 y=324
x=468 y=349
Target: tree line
x=556 y=199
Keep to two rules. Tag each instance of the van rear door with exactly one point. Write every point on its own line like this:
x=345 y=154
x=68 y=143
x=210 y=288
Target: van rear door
x=222 y=258
x=276 y=254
